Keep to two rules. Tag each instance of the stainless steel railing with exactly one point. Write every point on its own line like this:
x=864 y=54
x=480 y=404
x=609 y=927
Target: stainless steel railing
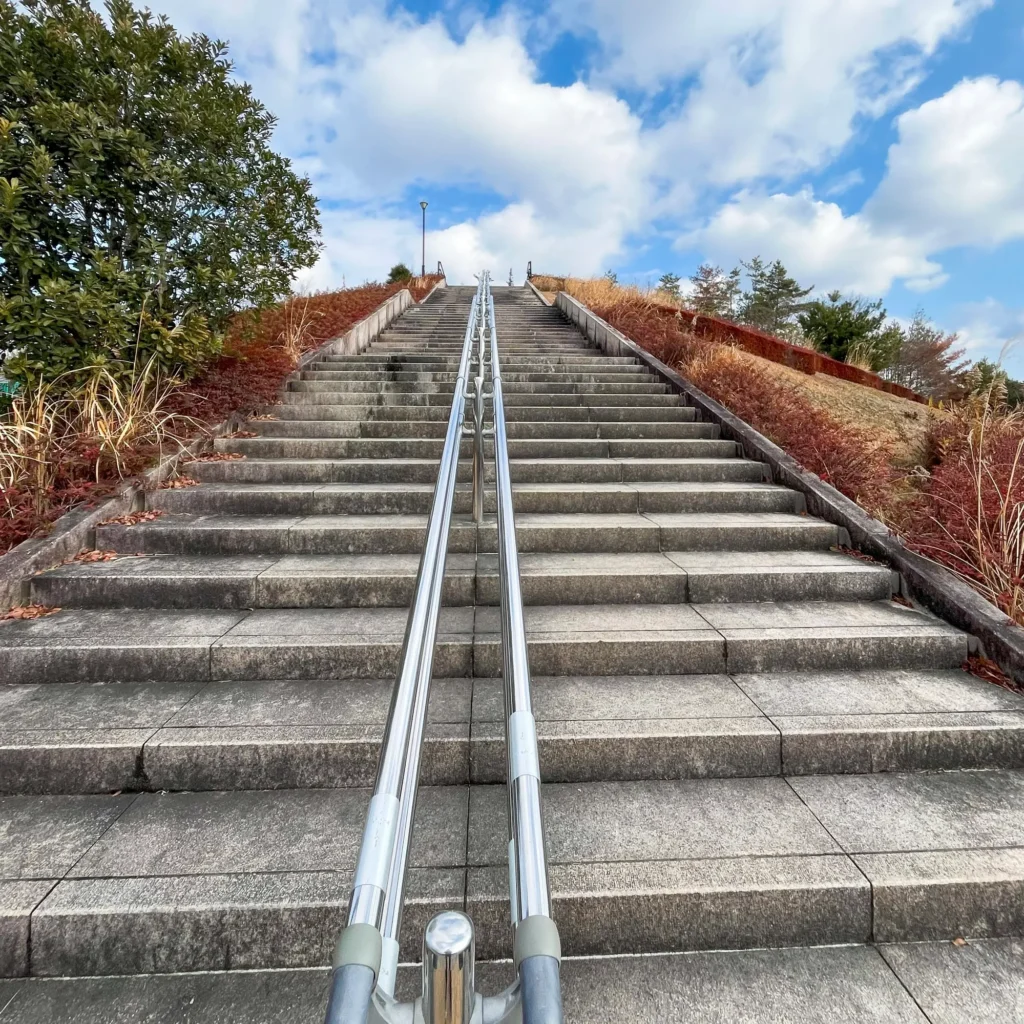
x=367 y=952
x=366 y=957
x=536 y=947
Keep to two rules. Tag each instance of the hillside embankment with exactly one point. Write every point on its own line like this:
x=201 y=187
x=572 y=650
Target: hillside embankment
x=948 y=479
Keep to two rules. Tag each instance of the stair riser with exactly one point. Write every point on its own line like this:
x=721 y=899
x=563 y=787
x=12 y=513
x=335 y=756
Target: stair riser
x=556 y=387
x=430 y=448
x=300 y=932
x=803 y=537
x=194 y=659
x=663 y=922
x=395 y=590
x=425 y=472
x=571 y=655
x=339 y=540
x=310 y=591
x=402 y=429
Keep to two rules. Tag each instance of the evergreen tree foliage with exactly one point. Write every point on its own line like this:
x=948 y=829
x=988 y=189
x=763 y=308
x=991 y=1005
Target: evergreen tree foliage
x=715 y=292
x=399 y=272
x=669 y=284
x=140 y=201
x=851 y=330
x=774 y=298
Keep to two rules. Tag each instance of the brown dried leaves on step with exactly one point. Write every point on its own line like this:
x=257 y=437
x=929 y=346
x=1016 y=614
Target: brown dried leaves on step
x=134 y=518
x=93 y=555
x=217 y=457
x=29 y=611
x=984 y=668
x=178 y=482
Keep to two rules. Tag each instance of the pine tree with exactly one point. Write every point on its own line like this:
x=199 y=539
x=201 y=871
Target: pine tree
x=715 y=293
x=774 y=298
x=842 y=328
x=669 y=284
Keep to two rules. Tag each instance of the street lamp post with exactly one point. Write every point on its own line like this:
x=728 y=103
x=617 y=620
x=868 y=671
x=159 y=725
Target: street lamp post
x=423 y=264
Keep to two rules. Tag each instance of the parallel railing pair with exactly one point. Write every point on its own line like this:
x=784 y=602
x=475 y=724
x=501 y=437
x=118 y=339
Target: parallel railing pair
x=367 y=953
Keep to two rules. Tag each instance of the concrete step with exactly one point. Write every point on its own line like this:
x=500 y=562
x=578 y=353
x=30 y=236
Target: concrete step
x=386 y=498
x=104 y=645
x=665 y=531
x=898 y=983
x=342 y=581
x=187 y=534
x=447 y=387
x=250 y=581
x=112 y=645
x=155 y=883
x=651 y=639
x=518 y=430
x=679 y=577
x=514 y=414
x=431 y=448
x=300 y=734
x=420 y=471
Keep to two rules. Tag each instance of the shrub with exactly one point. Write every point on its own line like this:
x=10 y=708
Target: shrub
x=399 y=272
x=140 y=202
x=969 y=512
x=853 y=461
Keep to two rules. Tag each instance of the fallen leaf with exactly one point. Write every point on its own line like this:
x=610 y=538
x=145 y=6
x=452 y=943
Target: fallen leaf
x=30 y=611
x=178 y=482
x=217 y=457
x=94 y=556
x=134 y=518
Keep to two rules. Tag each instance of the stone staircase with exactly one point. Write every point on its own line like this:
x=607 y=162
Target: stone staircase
x=746 y=743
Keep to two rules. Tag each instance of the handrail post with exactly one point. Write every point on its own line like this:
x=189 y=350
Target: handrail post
x=449 y=982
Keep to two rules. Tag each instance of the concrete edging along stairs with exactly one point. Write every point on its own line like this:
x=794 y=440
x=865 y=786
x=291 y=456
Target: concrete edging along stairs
x=746 y=743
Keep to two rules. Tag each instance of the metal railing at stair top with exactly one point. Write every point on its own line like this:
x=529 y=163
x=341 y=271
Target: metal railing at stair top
x=366 y=957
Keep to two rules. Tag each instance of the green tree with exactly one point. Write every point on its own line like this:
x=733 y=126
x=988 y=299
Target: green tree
x=849 y=327
x=715 y=293
x=399 y=272
x=669 y=284
x=140 y=201
x=774 y=298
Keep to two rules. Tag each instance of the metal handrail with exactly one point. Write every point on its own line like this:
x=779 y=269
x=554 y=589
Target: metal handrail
x=367 y=952
x=366 y=958
x=537 y=948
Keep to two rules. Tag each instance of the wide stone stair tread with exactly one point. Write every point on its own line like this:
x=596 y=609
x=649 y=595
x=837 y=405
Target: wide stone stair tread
x=830 y=858
x=263 y=734
x=978 y=983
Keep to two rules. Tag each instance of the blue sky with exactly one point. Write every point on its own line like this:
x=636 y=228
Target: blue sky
x=876 y=146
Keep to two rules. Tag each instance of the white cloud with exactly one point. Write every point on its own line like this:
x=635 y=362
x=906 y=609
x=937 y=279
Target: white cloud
x=992 y=330
x=816 y=241
x=778 y=84
x=372 y=105
x=956 y=175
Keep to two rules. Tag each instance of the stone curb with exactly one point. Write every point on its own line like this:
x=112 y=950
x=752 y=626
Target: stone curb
x=932 y=585
x=540 y=295
x=76 y=529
